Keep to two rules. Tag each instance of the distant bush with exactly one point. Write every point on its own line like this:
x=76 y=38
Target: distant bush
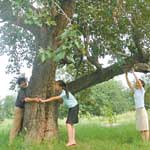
x=7 y=107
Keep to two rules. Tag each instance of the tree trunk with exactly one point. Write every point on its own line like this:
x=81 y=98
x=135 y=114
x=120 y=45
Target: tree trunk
x=40 y=120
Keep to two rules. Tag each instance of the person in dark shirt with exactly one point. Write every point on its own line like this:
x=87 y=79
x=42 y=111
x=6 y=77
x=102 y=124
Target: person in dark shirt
x=19 y=107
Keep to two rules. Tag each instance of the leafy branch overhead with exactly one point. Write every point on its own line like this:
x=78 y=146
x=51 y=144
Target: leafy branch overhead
x=71 y=45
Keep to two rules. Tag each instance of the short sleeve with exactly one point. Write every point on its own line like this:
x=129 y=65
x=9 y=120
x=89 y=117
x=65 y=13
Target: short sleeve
x=63 y=94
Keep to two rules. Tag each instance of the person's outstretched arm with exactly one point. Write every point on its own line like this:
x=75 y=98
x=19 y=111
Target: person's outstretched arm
x=136 y=78
x=128 y=82
x=28 y=99
x=55 y=98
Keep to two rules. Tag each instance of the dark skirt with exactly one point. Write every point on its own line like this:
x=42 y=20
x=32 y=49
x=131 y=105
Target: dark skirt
x=72 y=117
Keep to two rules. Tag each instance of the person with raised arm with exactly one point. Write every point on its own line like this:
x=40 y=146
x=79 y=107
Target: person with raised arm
x=141 y=114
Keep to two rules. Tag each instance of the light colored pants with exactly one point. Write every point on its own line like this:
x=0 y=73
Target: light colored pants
x=142 y=119
x=17 y=123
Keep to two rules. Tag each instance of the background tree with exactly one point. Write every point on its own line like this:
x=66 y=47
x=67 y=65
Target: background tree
x=1 y=112
x=147 y=93
x=76 y=33
x=7 y=107
x=108 y=94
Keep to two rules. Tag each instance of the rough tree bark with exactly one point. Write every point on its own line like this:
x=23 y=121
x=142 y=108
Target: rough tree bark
x=40 y=120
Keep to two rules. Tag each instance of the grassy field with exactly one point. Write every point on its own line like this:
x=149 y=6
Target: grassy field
x=91 y=134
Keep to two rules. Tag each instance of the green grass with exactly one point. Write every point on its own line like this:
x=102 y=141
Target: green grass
x=90 y=135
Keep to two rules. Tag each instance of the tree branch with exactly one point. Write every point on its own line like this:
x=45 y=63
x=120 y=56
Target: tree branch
x=136 y=35
x=142 y=67
x=69 y=20
x=62 y=21
x=105 y=74
x=94 y=61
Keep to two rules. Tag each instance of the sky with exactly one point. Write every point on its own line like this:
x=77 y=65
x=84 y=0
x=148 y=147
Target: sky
x=5 y=79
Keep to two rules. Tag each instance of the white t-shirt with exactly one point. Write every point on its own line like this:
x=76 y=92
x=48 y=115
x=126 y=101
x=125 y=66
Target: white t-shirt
x=139 y=97
x=68 y=101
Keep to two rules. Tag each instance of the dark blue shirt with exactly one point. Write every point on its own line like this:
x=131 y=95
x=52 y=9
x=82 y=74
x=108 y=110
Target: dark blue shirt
x=22 y=94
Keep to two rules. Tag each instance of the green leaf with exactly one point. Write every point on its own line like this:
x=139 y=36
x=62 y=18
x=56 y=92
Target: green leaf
x=59 y=55
x=77 y=43
x=43 y=58
x=71 y=59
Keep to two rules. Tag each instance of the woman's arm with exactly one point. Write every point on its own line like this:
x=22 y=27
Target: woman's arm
x=55 y=98
x=128 y=82
x=136 y=78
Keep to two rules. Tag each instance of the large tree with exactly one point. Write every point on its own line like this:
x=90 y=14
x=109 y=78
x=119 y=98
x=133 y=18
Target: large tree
x=75 y=33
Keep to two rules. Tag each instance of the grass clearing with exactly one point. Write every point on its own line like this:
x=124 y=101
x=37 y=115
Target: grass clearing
x=90 y=135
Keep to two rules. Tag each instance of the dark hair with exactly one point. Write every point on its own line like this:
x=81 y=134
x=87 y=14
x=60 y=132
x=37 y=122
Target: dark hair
x=21 y=79
x=143 y=83
x=64 y=86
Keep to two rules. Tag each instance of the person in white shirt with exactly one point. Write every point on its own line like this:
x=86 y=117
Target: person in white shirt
x=141 y=114
x=70 y=101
